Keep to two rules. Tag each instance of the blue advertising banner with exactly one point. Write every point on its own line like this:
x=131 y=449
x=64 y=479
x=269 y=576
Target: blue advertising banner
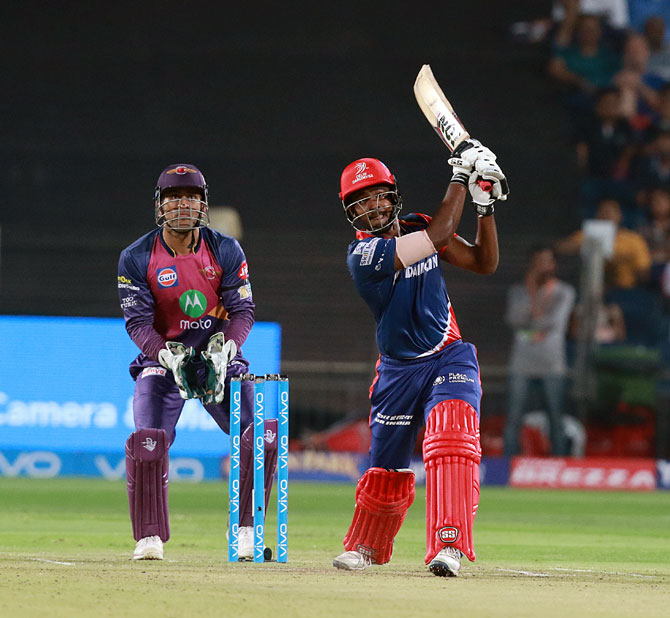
x=65 y=386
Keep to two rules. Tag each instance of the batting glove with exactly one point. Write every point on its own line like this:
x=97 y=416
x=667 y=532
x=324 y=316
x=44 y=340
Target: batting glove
x=489 y=170
x=177 y=358
x=217 y=356
x=466 y=156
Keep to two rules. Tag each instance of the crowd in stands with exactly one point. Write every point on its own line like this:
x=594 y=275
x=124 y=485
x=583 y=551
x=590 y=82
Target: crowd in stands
x=611 y=63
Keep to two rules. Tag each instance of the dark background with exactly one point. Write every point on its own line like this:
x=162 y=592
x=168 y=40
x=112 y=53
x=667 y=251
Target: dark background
x=271 y=101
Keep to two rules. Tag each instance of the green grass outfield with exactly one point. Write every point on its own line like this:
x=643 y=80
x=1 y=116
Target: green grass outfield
x=65 y=547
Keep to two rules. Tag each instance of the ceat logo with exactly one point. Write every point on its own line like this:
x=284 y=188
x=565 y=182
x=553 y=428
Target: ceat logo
x=448 y=534
x=361 y=167
x=243 y=273
x=167 y=277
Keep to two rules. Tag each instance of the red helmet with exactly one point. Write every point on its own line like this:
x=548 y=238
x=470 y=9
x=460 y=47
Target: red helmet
x=361 y=174
x=364 y=173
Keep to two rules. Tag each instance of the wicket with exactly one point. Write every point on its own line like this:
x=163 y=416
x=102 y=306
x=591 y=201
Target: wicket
x=259 y=465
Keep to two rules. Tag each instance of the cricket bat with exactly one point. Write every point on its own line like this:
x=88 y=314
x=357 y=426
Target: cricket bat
x=440 y=114
x=437 y=109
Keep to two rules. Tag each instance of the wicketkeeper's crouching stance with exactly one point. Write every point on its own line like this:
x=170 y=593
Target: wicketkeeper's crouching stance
x=181 y=287
x=426 y=374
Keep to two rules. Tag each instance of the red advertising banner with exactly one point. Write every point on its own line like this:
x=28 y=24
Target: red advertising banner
x=587 y=473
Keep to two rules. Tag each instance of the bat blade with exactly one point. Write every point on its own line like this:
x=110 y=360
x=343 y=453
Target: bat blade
x=437 y=109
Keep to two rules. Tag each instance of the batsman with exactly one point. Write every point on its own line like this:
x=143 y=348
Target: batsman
x=186 y=298
x=426 y=374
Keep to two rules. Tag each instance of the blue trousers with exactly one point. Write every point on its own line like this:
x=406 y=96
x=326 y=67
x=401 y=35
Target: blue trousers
x=405 y=391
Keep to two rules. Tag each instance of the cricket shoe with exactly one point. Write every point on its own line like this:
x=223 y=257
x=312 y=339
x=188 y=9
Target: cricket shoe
x=149 y=548
x=352 y=561
x=447 y=563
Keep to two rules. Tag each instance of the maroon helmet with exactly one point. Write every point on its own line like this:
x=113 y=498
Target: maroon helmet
x=361 y=174
x=190 y=215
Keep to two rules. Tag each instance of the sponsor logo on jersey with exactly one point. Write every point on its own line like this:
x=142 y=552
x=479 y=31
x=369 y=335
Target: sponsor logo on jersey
x=153 y=371
x=244 y=291
x=167 y=277
x=203 y=324
x=439 y=380
x=358 y=249
x=193 y=303
x=128 y=302
x=368 y=252
x=209 y=272
x=128 y=286
x=419 y=268
x=459 y=378
x=243 y=273
x=123 y=279
x=448 y=534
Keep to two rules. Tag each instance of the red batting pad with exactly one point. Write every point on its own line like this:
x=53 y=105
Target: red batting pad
x=451 y=455
x=147 y=467
x=382 y=499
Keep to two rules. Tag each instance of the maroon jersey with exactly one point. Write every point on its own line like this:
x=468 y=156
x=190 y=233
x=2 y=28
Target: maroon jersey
x=186 y=298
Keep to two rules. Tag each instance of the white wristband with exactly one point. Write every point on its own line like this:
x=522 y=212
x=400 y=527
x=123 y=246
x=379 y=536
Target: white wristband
x=414 y=247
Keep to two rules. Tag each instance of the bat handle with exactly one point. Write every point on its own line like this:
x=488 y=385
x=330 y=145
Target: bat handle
x=485 y=185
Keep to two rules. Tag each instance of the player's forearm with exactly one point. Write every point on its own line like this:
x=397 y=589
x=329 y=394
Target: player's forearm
x=486 y=246
x=239 y=326
x=445 y=222
x=146 y=339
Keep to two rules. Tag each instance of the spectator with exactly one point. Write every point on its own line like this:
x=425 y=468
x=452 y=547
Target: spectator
x=640 y=11
x=661 y=119
x=652 y=167
x=538 y=310
x=630 y=264
x=604 y=151
x=582 y=67
x=613 y=13
x=639 y=88
x=659 y=52
x=656 y=233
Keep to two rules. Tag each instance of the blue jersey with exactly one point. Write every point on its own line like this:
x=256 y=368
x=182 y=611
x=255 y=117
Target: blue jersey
x=411 y=306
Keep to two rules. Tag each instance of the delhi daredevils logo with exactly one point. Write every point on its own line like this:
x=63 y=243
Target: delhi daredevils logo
x=193 y=303
x=448 y=534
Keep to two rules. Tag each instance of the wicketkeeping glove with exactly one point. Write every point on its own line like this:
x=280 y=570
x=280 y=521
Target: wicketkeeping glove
x=177 y=358
x=217 y=356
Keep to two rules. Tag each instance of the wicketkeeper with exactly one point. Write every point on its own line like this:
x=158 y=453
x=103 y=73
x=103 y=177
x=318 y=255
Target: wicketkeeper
x=186 y=297
x=426 y=374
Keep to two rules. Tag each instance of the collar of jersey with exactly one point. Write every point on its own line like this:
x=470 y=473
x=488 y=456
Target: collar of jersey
x=171 y=251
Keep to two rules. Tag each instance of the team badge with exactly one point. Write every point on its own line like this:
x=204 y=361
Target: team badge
x=167 y=277
x=210 y=272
